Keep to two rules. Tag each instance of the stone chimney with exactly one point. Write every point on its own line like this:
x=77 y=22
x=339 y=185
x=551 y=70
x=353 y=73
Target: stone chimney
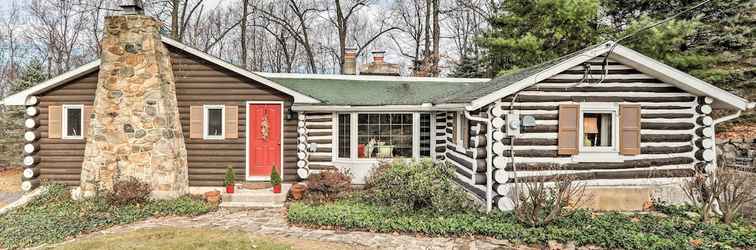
x=135 y=124
x=350 y=62
x=379 y=66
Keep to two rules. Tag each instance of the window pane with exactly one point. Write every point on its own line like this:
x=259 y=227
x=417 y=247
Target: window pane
x=384 y=135
x=597 y=130
x=73 y=121
x=344 y=135
x=215 y=122
x=425 y=135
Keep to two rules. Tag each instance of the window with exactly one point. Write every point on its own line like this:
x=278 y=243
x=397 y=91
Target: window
x=425 y=135
x=597 y=130
x=214 y=127
x=384 y=135
x=345 y=132
x=73 y=122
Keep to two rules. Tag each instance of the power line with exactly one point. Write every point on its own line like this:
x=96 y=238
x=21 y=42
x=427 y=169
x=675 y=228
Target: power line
x=662 y=21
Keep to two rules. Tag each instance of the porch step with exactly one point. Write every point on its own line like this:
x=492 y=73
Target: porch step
x=251 y=204
x=258 y=198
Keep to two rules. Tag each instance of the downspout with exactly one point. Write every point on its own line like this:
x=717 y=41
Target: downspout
x=489 y=156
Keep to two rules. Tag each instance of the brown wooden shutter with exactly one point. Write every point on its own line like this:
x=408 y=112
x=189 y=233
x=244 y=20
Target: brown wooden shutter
x=569 y=122
x=87 y=116
x=232 y=122
x=195 y=122
x=54 y=124
x=630 y=129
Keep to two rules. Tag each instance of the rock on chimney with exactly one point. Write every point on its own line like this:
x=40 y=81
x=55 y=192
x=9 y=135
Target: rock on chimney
x=136 y=132
x=350 y=62
x=379 y=66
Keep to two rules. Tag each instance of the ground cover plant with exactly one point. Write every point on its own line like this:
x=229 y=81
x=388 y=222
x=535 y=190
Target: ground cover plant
x=609 y=230
x=54 y=216
x=419 y=197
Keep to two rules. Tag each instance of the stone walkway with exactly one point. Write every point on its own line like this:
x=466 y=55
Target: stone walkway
x=8 y=198
x=272 y=222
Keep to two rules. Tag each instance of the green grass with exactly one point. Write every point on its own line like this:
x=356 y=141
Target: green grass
x=176 y=239
x=54 y=217
x=609 y=230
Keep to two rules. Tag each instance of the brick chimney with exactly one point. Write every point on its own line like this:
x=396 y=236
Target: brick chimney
x=350 y=62
x=135 y=124
x=379 y=66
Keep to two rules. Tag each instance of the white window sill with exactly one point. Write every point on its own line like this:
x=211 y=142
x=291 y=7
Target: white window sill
x=598 y=157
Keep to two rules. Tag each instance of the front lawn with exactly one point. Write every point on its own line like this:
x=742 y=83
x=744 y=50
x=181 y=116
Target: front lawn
x=54 y=217
x=176 y=239
x=609 y=230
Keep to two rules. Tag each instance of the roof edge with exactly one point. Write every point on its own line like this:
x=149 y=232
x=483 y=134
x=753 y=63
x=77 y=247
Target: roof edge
x=20 y=97
x=369 y=77
x=628 y=56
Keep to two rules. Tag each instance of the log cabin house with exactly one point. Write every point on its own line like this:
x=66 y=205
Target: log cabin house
x=606 y=115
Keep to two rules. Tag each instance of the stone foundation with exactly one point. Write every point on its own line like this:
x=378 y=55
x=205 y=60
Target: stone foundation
x=135 y=124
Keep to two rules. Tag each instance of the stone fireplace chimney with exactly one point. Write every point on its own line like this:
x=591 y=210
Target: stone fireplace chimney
x=379 y=66
x=135 y=124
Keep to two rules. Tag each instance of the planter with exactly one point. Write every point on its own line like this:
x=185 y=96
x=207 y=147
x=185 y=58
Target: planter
x=230 y=188
x=213 y=197
x=277 y=189
x=297 y=191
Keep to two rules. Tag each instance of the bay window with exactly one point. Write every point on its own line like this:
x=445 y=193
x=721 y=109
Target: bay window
x=383 y=135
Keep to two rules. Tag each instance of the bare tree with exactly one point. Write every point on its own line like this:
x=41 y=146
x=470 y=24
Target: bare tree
x=542 y=199
x=243 y=35
x=58 y=28
x=298 y=26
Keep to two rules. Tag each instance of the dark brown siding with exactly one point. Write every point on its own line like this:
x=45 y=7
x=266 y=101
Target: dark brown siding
x=198 y=82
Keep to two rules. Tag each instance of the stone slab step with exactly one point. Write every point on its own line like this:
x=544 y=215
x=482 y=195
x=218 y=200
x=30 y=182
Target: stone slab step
x=251 y=204
x=254 y=197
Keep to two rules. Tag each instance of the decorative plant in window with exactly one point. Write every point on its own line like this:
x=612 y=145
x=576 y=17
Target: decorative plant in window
x=265 y=126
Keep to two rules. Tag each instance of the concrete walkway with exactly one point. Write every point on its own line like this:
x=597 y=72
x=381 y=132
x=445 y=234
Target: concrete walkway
x=272 y=222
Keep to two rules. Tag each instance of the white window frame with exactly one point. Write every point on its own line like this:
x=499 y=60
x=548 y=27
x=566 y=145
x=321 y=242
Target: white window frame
x=206 y=122
x=354 y=135
x=64 y=121
x=599 y=154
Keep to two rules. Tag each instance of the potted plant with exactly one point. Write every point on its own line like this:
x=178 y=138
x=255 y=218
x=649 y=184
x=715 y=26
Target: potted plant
x=275 y=180
x=229 y=181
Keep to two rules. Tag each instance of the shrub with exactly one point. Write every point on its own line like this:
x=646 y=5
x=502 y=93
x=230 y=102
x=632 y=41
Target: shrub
x=544 y=199
x=129 y=191
x=737 y=190
x=412 y=185
x=328 y=185
x=54 y=217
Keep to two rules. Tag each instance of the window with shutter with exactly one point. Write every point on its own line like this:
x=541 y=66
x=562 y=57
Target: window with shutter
x=630 y=129
x=569 y=122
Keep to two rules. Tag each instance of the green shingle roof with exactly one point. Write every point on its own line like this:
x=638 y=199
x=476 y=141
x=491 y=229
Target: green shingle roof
x=368 y=91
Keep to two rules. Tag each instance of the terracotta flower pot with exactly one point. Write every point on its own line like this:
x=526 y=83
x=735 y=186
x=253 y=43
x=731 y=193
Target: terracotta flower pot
x=212 y=197
x=277 y=189
x=230 y=188
x=297 y=191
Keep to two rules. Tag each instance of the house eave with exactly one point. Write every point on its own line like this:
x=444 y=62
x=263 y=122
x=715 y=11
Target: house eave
x=19 y=98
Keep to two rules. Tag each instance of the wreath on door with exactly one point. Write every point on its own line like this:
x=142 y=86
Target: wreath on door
x=265 y=126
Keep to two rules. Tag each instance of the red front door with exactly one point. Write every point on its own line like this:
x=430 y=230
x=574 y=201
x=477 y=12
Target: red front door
x=264 y=139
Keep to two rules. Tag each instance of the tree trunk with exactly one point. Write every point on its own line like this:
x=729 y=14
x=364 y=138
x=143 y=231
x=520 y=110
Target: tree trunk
x=436 y=40
x=175 y=19
x=243 y=26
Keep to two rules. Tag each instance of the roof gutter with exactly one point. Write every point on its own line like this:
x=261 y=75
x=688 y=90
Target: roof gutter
x=380 y=108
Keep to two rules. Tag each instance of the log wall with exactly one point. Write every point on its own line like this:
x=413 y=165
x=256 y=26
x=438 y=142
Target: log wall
x=668 y=128
x=198 y=82
x=469 y=161
x=315 y=130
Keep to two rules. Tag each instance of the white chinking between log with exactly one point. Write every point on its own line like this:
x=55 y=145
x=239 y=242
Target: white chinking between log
x=31 y=148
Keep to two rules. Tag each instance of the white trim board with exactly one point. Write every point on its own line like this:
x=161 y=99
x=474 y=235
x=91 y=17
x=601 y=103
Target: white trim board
x=64 y=121
x=246 y=143
x=20 y=97
x=206 y=122
x=372 y=78
x=628 y=57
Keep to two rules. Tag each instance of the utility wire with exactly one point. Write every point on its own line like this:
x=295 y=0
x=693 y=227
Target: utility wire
x=663 y=21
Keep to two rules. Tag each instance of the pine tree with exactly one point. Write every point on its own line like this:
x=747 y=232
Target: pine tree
x=469 y=67
x=529 y=32
x=11 y=118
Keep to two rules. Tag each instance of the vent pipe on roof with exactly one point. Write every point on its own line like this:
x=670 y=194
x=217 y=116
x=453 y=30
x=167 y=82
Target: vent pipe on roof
x=350 y=62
